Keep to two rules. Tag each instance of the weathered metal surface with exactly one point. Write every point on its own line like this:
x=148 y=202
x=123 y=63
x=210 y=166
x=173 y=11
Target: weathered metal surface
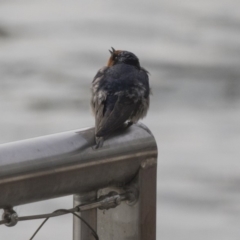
x=132 y=221
x=63 y=164
x=80 y=230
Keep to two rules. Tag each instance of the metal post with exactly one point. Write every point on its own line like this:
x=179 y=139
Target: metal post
x=80 y=230
x=147 y=182
x=135 y=221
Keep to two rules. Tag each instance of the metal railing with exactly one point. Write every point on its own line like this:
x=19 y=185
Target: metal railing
x=124 y=169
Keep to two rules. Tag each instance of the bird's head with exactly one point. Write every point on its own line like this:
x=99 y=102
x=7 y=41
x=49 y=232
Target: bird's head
x=119 y=56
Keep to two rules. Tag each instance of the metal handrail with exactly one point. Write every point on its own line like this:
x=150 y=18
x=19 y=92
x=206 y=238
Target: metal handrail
x=67 y=163
x=63 y=164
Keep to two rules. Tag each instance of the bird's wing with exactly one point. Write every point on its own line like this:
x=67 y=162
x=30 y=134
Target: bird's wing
x=97 y=99
x=113 y=113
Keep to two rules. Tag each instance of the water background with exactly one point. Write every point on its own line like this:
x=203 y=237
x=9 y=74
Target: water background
x=49 y=53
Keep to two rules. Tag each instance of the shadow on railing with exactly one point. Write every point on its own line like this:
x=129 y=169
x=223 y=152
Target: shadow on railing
x=123 y=170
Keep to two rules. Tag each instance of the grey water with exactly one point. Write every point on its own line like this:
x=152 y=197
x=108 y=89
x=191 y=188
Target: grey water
x=49 y=54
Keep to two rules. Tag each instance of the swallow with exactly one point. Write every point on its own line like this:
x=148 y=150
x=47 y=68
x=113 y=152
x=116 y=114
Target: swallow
x=120 y=94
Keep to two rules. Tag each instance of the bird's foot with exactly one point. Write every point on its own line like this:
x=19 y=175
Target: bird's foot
x=99 y=142
x=128 y=124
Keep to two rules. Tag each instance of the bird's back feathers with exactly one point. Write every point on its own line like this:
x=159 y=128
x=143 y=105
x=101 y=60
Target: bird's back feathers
x=120 y=93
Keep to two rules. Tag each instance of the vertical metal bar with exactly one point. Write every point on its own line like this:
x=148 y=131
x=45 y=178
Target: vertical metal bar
x=133 y=221
x=147 y=183
x=80 y=230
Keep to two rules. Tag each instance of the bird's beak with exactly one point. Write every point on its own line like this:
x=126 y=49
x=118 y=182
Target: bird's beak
x=112 y=51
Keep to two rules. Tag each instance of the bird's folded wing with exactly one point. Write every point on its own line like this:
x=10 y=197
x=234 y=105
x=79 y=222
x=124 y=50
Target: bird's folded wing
x=112 y=116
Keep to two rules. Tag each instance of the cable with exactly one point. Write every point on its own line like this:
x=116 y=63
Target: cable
x=40 y=216
x=110 y=200
x=65 y=211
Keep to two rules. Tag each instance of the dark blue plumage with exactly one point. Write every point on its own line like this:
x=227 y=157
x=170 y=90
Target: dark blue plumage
x=120 y=94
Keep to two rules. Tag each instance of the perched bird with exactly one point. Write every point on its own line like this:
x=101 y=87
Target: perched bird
x=120 y=94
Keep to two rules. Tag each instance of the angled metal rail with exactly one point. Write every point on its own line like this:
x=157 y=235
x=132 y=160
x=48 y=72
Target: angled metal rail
x=65 y=164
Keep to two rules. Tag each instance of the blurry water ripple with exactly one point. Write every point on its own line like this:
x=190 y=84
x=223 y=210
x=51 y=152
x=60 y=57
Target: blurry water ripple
x=49 y=54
